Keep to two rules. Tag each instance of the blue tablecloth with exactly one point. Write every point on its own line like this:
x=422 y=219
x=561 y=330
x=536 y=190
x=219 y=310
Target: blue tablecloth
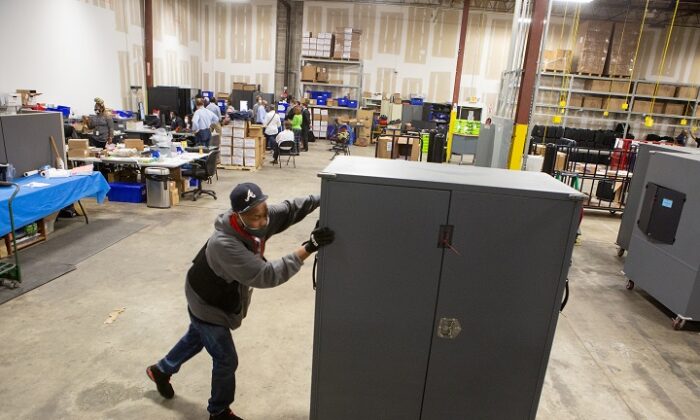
x=34 y=203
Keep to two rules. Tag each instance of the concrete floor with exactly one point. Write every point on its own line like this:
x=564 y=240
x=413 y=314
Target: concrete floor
x=615 y=355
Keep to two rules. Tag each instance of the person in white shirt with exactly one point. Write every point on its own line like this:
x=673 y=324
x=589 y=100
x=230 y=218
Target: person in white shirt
x=287 y=134
x=213 y=107
x=272 y=124
x=201 y=123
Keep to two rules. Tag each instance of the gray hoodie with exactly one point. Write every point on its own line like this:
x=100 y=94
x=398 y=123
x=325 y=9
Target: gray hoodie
x=229 y=255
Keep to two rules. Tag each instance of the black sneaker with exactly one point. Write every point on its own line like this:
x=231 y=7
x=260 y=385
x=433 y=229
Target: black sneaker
x=162 y=381
x=225 y=415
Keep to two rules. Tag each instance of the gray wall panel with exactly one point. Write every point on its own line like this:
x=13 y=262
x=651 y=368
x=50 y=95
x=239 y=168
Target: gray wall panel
x=26 y=139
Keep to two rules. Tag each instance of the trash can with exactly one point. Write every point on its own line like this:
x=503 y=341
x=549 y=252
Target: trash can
x=158 y=188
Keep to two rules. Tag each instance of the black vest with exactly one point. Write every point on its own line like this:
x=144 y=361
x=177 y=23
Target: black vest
x=213 y=289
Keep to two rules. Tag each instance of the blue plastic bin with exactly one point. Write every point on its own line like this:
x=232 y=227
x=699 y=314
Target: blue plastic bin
x=352 y=104
x=321 y=101
x=126 y=192
x=65 y=110
x=343 y=101
x=416 y=101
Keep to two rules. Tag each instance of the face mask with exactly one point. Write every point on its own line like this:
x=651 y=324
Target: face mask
x=97 y=111
x=259 y=232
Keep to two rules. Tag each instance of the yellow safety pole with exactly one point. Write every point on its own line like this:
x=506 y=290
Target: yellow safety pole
x=450 y=130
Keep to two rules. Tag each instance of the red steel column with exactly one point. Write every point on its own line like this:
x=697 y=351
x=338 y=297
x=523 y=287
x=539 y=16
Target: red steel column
x=148 y=41
x=527 y=82
x=460 y=51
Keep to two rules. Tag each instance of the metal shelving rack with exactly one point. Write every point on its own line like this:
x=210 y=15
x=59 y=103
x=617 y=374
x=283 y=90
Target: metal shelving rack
x=626 y=117
x=341 y=63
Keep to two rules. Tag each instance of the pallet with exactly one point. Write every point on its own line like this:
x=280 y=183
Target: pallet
x=618 y=76
x=588 y=74
x=238 y=168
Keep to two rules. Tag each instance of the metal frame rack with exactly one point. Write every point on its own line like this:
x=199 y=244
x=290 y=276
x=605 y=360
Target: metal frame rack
x=342 y=63
x=629 y=118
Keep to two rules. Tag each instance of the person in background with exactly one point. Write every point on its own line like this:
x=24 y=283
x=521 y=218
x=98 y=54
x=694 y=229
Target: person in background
x=305 y=125
x=176 y=123
x=256 y=109
x=213 y=107
x=202 y=121
x=220 y=283
x=102 y=125
x=188 y=122
x=290 y=109
x=286 y=134
x=296 y=120
x=261 y=113
x=272 y=125
x=684 y=136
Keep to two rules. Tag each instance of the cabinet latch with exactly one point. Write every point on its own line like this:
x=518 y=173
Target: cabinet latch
x=445 y=238
x=449 y=328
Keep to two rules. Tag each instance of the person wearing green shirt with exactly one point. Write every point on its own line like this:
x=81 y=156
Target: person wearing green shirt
x=297 y=119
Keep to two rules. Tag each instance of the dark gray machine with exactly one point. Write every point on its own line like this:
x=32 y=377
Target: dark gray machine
x=636 y=190
x=663 y=256
x=440 y=296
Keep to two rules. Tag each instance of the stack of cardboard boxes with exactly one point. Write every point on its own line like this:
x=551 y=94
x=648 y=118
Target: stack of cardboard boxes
x=320 y=123
x=242 y=145
x=320 y=46
x=389 y=147
x=556 y=60
x=347 y=44
x=622 y=49
x=312 y=73
x=364 y=120
x=247 y=87
x=78 y=148
x=592 y=46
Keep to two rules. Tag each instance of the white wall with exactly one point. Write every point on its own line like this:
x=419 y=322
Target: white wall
x=66 y=49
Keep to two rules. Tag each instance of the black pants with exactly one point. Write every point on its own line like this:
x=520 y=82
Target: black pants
x=275 y=150
x=305 y=138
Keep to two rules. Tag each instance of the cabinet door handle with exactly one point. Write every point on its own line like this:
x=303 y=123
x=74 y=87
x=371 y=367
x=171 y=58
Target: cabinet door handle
x=449 y=328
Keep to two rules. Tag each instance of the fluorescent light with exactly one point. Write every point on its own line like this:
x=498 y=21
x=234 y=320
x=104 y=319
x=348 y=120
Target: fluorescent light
x=524 y=20
x=574 y=1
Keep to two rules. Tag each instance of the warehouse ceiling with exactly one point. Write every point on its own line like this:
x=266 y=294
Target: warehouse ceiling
x=659 y=13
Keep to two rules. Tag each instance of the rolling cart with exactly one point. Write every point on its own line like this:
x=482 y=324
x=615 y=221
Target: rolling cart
x=10 y=275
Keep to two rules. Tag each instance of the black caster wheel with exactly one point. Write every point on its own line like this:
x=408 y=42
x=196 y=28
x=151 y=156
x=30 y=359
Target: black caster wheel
x=620 y=252
x=612 y=213
x=630 y=285
x=678 y=323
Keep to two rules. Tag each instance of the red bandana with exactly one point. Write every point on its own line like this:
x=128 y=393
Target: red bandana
x=258 y=243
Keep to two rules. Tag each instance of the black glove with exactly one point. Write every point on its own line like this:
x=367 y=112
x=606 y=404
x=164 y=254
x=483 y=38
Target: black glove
x=319 y=237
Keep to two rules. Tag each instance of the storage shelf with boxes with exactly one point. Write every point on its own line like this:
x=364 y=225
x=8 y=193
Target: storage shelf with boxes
x=242 y=145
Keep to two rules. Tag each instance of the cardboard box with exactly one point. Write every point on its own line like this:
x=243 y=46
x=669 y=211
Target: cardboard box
x=227 y=130
x=576 y=100
x=76 y=144
x=362 y=141
x=237 y=152
x=255 y=130
x=174 y=193
x=620 y=87
x=308 y=73
x=593 y=102
x=614 y=104
x=540 y=149
x=239 y=124
x=225 y=150
x=687 y=92
x=250 y=162
x=250 y=153
x=250 y=88
x=78 y=153
x=306 y=34
x=598 y=85
x=322 y=75
x=239 y=133
x=622 y=48
x=592 y=46
x=643 y=107
x=250 y=143
x=645 y=89
x=384 y=147
x=674 y=109
x=226 y=141
x=237 y=160
x=238 y=143
x=238 y=86
x=134 y=144
x=225 y=160
x=560 y=162
x=556 y=60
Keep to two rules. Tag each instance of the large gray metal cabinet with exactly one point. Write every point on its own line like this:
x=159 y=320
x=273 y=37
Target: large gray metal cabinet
x=634 y=196
x=669 y=270
x=408 y=327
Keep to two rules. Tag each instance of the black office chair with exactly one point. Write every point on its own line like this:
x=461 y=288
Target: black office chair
x=288 y=148
x=202 y=169
x=206 y=150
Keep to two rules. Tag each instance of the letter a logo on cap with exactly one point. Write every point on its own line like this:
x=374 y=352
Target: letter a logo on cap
x=250 y=195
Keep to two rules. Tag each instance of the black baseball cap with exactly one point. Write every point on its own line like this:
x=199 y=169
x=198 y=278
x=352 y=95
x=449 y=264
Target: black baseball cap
x=246 y=196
